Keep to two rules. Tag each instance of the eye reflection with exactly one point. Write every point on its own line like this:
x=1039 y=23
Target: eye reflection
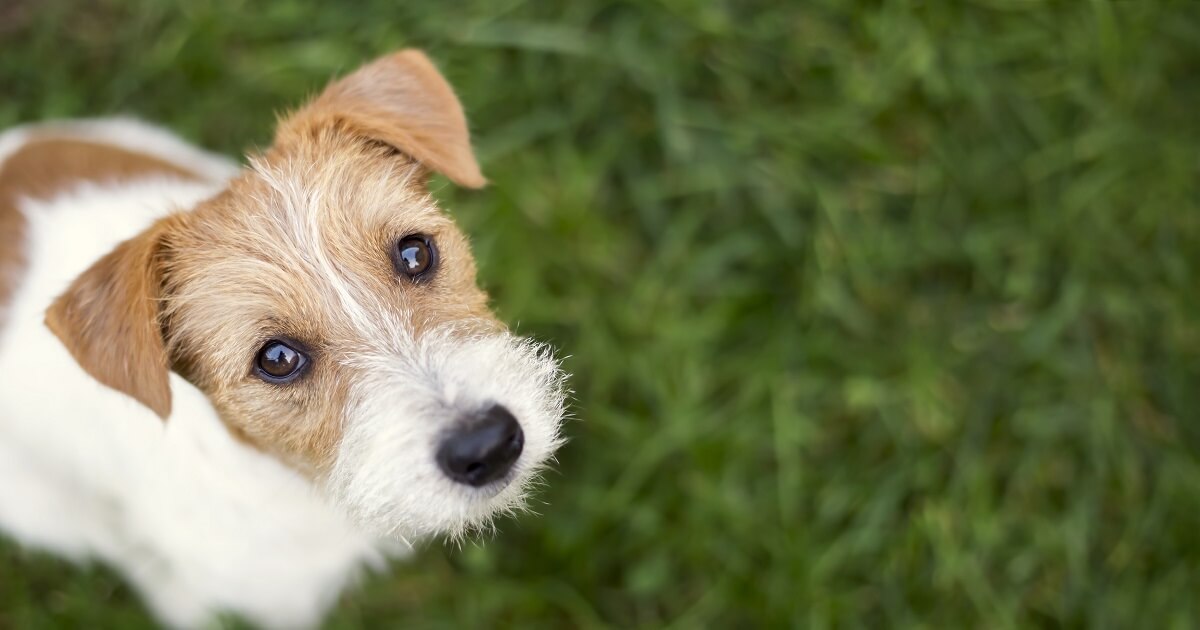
x=279 y=362
x=414 y=256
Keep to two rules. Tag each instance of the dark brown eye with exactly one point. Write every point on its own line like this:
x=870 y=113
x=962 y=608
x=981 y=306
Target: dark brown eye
x=415 y=257
x=278 y=362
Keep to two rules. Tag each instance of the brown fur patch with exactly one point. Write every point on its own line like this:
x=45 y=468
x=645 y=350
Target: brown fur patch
x=46 y=165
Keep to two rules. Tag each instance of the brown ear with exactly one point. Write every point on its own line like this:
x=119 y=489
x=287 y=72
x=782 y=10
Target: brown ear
x=403 y=101
x=109 y=320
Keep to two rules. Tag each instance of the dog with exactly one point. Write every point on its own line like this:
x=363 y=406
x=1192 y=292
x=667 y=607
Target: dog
x=241 y=386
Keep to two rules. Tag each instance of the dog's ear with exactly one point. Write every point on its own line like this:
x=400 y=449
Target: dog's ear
x=109 y=319
x=400 y=100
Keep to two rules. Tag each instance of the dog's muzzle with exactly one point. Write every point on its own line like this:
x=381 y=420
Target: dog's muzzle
x=482 y=449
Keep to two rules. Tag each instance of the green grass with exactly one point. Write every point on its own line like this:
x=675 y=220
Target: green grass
x=880 y=314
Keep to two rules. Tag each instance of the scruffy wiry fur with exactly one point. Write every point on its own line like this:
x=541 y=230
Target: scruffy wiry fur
x=161 y=276
x=431 y=381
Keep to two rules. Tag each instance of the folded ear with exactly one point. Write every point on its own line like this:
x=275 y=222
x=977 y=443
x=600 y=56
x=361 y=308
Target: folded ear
x=109 y=320
x=403 y=101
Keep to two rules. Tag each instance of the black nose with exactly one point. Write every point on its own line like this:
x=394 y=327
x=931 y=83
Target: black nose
x=483 y=449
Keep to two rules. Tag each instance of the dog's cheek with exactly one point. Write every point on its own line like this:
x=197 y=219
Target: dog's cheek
x=298 y=424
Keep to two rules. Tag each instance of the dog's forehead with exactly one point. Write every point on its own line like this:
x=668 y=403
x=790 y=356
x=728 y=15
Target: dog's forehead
x=287 y=241
x=335 y=186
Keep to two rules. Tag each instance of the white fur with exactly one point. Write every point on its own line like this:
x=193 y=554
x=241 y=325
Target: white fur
x=197 y=520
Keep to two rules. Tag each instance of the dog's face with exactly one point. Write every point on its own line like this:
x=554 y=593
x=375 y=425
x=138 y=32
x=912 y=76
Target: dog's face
x=330 y=312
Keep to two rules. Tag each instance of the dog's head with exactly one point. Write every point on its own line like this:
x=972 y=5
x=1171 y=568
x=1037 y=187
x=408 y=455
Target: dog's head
x=330 y=312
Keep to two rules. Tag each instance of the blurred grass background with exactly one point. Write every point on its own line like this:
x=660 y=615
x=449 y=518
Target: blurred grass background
x=880 y=313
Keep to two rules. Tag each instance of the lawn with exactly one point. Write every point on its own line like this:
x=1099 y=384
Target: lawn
x=880 y=314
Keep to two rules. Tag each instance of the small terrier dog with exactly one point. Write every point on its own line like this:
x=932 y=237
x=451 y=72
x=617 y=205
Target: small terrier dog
x=240 y=386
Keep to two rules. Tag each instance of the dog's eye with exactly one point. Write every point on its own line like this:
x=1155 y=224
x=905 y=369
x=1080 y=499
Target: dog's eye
x=415 y=257
x=278 y=362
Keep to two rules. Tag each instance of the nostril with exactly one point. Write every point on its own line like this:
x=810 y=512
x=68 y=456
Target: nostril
x=482 y=449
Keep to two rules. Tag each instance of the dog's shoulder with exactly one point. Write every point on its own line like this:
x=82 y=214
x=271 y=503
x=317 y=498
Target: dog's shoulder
x=40 y=162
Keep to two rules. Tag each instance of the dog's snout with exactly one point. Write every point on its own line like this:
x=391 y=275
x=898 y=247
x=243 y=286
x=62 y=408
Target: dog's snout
x=483 y=449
